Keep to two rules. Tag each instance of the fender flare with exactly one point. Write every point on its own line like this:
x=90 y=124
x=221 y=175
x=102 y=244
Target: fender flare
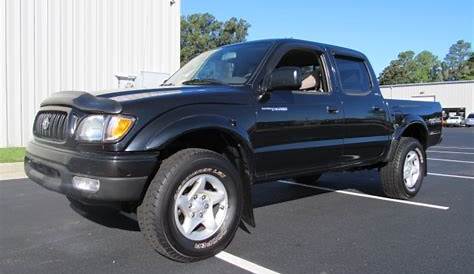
x=408 y=121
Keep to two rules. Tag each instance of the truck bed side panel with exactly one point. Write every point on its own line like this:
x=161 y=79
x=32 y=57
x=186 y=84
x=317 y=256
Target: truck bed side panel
x=404 y=111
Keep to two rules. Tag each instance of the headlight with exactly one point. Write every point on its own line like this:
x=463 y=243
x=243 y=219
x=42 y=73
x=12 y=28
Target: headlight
x=103 y=128
x=91 y=129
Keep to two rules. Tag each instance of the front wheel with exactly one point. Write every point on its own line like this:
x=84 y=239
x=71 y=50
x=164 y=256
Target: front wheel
x=402 y=177
x=193 y=205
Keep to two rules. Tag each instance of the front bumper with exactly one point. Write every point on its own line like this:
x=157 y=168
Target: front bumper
x=122 y=175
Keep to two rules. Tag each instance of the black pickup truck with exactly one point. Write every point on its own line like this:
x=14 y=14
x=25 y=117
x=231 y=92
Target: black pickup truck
x=185 y=155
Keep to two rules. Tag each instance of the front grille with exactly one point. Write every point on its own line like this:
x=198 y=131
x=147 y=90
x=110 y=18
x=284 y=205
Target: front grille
x=51 y=125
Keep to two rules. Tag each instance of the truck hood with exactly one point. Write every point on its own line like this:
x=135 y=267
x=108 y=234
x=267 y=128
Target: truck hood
x=149 y=100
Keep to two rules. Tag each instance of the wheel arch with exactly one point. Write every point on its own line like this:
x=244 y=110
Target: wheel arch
x=413 y=127
x=417 y=130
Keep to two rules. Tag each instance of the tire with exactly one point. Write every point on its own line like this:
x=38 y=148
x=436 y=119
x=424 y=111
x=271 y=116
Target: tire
x=308 y=180
x=394 y=184
x=161 y=218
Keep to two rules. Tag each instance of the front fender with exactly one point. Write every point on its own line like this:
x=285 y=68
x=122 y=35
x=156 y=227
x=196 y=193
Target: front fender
x=236 y=120
x=167 y=128
x=168 y=133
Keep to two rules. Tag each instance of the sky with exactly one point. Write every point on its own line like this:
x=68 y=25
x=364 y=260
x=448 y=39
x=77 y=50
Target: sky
x=380 y=29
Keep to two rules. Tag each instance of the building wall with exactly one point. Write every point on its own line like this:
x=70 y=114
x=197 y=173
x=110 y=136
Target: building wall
x=455 y=94
x=52 y=45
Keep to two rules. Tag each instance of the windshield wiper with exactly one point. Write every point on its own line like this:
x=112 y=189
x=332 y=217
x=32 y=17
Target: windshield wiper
x=203 y=82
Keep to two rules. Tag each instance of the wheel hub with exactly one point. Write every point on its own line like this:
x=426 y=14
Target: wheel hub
x=411 y=169
x=199 y=204
x=200 y=207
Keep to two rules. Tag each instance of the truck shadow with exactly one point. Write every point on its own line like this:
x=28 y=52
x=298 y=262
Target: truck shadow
x=109 y=217
x=367 y=182
x=265 y=194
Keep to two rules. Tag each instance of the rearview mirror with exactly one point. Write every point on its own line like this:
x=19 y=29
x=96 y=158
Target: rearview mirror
x=285 y=78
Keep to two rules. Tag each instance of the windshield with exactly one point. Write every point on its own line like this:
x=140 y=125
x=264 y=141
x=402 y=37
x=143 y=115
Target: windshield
x=231 y=65
x=471 y=115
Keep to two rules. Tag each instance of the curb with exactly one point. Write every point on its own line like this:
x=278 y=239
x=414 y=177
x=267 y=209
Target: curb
x=10 y=171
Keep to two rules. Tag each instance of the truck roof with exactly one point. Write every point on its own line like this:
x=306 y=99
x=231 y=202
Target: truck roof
x=337 y=49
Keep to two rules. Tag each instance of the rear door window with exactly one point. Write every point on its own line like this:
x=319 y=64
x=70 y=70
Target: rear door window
x=353 y=74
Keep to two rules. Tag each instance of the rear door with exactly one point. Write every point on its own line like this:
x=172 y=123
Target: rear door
x=298 y=130
x=366 y=122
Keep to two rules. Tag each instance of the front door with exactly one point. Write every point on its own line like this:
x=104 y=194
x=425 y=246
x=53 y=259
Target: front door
x=301 y=130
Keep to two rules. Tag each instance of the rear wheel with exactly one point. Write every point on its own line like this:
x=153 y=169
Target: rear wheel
x=403 y=176
x=308 y=180
x=192 y=207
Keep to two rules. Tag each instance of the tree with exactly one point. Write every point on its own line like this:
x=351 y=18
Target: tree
x=456 y=59
x=467 y=70
x=408 y=68
x=202 y=32
x=399 y=71
x=427 y=68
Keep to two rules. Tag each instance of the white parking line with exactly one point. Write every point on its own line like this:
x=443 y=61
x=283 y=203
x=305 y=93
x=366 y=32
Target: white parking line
x=450 y=175
x=244 y=264
x=451 y=152
x=450 y=160
x=454 y=147
x=368 y=196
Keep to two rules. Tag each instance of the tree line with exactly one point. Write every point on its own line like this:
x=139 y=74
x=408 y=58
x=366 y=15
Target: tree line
x=426 y=67
x=201 y=32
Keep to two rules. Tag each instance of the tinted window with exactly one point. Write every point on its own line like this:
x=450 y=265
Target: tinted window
x=310 y=64
x=233 y=64
x=353 y=74
x=471 y=115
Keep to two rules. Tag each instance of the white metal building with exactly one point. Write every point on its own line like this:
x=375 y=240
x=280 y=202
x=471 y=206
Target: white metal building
x=456 y=97
x=52 y=45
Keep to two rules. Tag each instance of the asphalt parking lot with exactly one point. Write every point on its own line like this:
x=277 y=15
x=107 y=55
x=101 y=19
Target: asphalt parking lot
x=341 y=226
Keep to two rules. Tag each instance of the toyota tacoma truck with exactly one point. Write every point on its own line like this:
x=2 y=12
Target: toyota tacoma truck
x=184 y=155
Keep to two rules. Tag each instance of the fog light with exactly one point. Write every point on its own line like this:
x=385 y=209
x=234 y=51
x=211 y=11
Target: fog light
x=86 y=184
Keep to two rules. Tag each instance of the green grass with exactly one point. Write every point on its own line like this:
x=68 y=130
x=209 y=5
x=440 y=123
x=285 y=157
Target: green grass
x=12 y=154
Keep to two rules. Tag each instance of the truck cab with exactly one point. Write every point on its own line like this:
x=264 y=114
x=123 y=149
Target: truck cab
x=335 y=111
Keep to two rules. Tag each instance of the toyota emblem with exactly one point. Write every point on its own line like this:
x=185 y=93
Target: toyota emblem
x=45 y=123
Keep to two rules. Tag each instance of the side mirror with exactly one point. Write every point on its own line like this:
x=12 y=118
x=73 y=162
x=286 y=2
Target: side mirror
x=285 y=78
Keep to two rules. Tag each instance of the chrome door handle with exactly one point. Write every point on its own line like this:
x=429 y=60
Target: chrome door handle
x=378 y=109
x=331 y=109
